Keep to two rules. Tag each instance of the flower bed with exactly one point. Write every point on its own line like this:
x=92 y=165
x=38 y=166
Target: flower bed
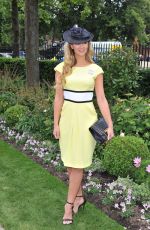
x=121 y=198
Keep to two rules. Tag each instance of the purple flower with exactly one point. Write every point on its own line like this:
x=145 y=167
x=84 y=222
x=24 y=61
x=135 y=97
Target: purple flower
x=137 y=162
x=148 y=169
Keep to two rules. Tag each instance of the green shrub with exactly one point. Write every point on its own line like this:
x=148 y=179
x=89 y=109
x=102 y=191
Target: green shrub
x=14 y=65
x=40 y=121
x=33 y=97
x=120 y=152
x=47 y=70
x=14 y=113
x=10 y=81
x=17 y=66
x=38 y=124
x=132 y=117
x=141 y=174
x=120 y=72
x=7 y=99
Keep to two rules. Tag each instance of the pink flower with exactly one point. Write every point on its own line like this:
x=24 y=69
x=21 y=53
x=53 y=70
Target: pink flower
x=137 y=162
x=148 y=169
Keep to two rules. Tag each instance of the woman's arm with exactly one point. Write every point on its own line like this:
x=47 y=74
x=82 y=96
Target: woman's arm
x=103 y=104
x=58 y=103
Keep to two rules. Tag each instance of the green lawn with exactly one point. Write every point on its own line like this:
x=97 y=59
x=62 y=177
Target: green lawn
x=32 y=199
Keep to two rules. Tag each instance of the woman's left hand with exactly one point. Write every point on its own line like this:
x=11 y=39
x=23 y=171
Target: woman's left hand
x=110 y=133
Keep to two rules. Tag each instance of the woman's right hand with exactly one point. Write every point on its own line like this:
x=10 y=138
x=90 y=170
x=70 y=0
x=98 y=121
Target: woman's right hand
x=56 y=131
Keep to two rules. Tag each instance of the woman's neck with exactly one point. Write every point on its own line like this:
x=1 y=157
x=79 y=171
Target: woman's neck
x=81 y=61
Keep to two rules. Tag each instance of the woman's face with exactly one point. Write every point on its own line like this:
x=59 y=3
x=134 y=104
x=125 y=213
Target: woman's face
x=80 y=49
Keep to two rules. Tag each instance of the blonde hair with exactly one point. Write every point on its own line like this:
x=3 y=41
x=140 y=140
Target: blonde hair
x=70 y=60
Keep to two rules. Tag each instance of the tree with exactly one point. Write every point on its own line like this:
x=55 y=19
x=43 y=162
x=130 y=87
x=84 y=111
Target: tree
x=32 y=42
x=5 y=25
x=125 y=19
x=15 y=28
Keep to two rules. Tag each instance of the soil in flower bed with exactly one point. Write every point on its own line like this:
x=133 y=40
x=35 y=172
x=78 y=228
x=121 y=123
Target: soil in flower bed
x=131 y=223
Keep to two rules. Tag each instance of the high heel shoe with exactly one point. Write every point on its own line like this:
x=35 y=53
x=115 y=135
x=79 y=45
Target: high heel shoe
x=68 y=220
x=80 y=206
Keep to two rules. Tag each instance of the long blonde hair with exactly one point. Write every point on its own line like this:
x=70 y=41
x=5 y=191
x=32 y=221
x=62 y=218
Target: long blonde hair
x=70 y=60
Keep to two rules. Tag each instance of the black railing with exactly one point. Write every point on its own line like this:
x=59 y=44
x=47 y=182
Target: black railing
x=55 y=51
x=143 y=52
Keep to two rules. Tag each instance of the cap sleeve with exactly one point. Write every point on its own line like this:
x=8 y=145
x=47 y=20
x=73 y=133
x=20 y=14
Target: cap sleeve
x=98 y=71
x=59 y=67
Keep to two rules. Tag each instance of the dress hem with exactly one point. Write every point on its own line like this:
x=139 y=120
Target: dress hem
x=80 y=167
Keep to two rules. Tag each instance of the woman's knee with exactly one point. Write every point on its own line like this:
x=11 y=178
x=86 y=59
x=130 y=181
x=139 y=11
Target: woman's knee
x=77 y=170
x=69 y=169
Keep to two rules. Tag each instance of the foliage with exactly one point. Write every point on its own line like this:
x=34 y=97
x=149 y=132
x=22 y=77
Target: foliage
x=14 y=113
x=121 y=20
x=36 y=124
x=125 y=20
x=40 y=121
x=132 y=117
x=121 y=72
x=97 y=165
x=140 y=173
x=144 y=82
x=120 y=152
x=5 y=18
x=141 y=192
x=33 y=97
x=16 y=66
x=47 y=70
x=10 y=81
x=7 y=99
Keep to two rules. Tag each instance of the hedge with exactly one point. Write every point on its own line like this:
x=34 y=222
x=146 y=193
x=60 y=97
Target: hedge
x=17 y=66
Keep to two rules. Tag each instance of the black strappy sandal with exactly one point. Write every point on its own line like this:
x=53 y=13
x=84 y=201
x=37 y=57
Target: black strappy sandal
x=81 y=205
x=67 y=219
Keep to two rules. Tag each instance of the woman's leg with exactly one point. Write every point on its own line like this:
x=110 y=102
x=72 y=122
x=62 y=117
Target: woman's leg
x=80 y=192
x=78 y=200
x=75 y=178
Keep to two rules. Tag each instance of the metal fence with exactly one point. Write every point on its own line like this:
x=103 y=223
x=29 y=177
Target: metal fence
x=55 y=51
x=143 y=52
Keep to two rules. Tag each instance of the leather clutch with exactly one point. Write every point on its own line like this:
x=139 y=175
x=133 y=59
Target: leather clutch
x=98 y=130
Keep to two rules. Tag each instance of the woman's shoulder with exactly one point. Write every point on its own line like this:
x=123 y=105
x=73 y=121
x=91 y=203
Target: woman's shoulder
x=97 y=68
x=59 y=67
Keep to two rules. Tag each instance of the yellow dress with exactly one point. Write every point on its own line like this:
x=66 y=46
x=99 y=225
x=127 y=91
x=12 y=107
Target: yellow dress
x=76 y=142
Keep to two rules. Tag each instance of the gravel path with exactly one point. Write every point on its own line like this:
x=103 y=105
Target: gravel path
x=1 y=228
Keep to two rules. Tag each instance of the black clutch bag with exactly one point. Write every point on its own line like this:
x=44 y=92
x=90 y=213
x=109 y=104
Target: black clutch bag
x=98 y=130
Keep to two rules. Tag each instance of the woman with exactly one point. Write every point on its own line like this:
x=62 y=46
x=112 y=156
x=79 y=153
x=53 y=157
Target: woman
x=74 y=112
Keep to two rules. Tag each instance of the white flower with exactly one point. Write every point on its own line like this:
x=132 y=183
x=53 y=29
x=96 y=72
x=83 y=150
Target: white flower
x=116 y=205
x=142 y=211
x=122 y=134
x=122 y=204
x=128 y=202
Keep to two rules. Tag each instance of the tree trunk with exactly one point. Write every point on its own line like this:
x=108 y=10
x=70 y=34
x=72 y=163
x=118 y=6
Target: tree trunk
x=32 y=42
x=15 y=28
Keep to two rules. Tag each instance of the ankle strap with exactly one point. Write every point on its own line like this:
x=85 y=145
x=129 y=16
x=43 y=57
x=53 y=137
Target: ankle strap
x=69 y=203
x=80 y=196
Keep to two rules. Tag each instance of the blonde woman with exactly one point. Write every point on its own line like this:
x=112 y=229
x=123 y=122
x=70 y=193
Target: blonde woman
x=74 y=112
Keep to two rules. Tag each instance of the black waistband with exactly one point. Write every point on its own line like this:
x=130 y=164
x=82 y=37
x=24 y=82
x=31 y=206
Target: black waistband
x=77 y=101
x=76 y=91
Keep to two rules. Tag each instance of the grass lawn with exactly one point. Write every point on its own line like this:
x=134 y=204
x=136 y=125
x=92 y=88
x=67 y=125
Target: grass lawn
x=32 y=199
